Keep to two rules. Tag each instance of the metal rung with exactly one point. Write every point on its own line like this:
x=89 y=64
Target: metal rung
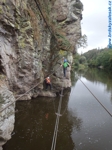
x=58 y=114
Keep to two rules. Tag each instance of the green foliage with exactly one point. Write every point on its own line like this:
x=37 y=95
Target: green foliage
x=82 y=59
x=63 y=43
x=82 y=42
x=79 y=62
x=93 y=74
x=99 y=58
x=81 y=67
x=91 y=54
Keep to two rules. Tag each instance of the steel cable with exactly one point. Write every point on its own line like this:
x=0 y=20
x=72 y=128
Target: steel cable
x=22 y=95
x=49 y=75
x=96 y=98
x=57 y=123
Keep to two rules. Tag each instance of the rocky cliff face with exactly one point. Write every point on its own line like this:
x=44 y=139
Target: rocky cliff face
x=69 y=15
x=7 y=117
x=31 y=48
x=28 y=51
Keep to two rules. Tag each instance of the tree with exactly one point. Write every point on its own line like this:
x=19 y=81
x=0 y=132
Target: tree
x=82 y=59
x=82 y=42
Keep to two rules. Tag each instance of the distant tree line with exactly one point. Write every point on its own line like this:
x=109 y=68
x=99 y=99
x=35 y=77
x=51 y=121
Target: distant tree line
x=100 y=58
x=79 y=62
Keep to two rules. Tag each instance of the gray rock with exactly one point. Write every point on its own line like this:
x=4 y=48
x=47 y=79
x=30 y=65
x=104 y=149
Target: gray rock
x=28 y=52
x=71 y=25
x=47 y=94
x=7 y=116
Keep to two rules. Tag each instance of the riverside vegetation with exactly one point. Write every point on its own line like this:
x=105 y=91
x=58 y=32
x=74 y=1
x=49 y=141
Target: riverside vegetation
x=98 y=58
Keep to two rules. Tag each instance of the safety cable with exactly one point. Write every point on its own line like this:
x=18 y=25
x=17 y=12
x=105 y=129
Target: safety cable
x=57 y=123
x=42 y=15
x=38 y=6
x=54 y=106
x=96 y=98
x=24 y=94
x=66 y=104
x=44 y=79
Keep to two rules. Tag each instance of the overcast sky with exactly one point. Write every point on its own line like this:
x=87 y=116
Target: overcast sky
x=95 y=23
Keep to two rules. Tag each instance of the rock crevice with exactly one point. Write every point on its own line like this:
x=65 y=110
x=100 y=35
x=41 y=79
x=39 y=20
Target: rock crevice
x=29 y=51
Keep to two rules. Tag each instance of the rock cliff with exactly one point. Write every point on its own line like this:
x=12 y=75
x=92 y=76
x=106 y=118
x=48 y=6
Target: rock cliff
x=7 y=117
x=34 y=37
x=31 y=46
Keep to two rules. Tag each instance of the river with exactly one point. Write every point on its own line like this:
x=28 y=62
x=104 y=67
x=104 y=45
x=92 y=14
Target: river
x=84 y=124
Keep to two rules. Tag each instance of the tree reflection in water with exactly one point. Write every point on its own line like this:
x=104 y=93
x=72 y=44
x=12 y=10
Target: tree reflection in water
x=99 y=76
x=35 y=122
x=67 y=123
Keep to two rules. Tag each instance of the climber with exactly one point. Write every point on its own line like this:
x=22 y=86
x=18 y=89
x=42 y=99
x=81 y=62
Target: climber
x=48 y=83
x=65 y=65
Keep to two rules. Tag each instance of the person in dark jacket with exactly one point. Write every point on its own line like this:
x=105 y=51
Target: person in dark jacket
x=48 y=83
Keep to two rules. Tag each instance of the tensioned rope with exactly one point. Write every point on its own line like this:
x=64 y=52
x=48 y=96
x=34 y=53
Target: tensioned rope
x=96 y=98
x=65 y=93
x=24 y=94
x=39 y=8
x=42 y=15
x=44 y=79
x=57 y=123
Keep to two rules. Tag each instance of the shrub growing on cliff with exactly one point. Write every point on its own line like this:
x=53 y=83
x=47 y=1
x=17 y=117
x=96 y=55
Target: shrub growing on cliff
x=82 y=42
x=63 y=43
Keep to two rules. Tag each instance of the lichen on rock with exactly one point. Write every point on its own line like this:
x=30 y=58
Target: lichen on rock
x=32 y=46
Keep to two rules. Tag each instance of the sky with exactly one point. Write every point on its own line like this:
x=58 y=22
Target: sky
x=95 y=24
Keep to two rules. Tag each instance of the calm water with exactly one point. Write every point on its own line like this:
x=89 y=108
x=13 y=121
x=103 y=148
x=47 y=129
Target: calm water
x=84 y=124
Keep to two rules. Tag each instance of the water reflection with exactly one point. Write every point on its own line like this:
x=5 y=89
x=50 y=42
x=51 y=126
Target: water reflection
x=84 y=124
x=99 y=76
x=96 y=124
x=35 y=121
